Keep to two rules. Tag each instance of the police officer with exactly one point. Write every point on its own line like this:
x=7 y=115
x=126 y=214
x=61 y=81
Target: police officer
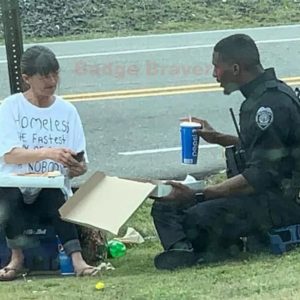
x=264 y=195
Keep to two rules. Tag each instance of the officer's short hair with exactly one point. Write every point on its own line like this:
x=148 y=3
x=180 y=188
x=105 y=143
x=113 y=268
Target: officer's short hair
x=240 y=49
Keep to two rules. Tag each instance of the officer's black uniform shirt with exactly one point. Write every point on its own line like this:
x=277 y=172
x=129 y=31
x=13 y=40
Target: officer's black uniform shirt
x=270 y=132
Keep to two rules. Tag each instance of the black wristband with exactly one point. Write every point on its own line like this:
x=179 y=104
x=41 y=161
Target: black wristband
x=199 y=197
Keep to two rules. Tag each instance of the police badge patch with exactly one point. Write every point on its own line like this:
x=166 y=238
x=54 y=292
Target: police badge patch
x=264 y=117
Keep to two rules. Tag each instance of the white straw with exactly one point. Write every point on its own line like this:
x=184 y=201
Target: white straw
x=190 y=118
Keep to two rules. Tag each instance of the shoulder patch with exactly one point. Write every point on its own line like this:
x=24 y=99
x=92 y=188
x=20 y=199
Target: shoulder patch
x=264 y=117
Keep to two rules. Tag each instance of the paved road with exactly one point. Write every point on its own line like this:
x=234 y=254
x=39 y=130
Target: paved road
x=139 y=136
x=158 y=60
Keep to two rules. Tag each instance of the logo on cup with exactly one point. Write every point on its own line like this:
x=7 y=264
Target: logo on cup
x=189 y=142
x=195 y=144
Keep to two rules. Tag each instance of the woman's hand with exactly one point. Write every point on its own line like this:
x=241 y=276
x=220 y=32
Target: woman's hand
x=66 y=157
x=63 y=156
x=77 y=169
x=207 y=132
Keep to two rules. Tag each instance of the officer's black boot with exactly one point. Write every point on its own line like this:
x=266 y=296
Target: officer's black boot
x=180 y=255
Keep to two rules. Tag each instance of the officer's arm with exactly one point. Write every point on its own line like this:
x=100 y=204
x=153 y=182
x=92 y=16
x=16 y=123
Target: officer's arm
x=226 y=139
x=210 y=135
x=236 y=185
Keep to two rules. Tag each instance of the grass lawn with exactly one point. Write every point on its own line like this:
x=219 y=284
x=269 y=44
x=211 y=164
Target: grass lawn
x=261 y=276
x=247 y=276
x=129 y=17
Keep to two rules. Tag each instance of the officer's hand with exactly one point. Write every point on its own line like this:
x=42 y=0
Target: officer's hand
x=206 y=131
x=180 y=196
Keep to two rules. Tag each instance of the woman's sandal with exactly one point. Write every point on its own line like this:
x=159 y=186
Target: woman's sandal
x=88 y=271
x=9 y=274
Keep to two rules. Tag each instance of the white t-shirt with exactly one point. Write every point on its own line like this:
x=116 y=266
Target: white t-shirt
x=23 y=124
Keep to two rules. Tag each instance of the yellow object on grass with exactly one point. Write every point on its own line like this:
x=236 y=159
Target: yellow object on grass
x=100 y=285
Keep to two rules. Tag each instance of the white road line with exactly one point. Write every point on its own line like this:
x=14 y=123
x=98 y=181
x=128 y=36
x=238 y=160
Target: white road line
x=151 y=151
x=159 y=49
x=124 y=52
x=170 y=34
x=166 y=49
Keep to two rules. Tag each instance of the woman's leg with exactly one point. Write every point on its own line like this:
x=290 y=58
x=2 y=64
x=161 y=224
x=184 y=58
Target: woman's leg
x=13 y=223
x=46 y=206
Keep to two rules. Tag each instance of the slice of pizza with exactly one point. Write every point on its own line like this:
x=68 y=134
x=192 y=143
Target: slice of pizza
x=45 y=174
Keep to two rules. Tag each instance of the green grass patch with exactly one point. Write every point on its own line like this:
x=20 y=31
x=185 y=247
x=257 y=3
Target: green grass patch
x=156 y=16
x=245 y=276
x=250 y=277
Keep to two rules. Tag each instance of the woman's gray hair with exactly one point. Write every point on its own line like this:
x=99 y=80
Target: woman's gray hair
x=38 y=60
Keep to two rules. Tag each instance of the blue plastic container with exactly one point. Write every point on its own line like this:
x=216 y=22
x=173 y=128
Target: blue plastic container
x=284 y=239
x=42 y=257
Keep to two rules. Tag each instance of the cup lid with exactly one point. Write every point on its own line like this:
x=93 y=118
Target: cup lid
x=190 y=124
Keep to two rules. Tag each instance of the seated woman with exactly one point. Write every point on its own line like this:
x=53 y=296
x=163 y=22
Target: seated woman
x=40 y=132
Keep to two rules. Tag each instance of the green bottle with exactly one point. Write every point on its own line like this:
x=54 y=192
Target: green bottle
x=116 y=248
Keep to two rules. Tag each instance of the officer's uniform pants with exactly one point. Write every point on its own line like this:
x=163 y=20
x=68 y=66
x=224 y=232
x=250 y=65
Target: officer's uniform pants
x=212 y=223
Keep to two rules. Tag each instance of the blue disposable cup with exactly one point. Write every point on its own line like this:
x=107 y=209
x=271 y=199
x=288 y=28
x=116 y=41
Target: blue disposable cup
x=65 y=261
x=66 y=265
x=189 y=142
